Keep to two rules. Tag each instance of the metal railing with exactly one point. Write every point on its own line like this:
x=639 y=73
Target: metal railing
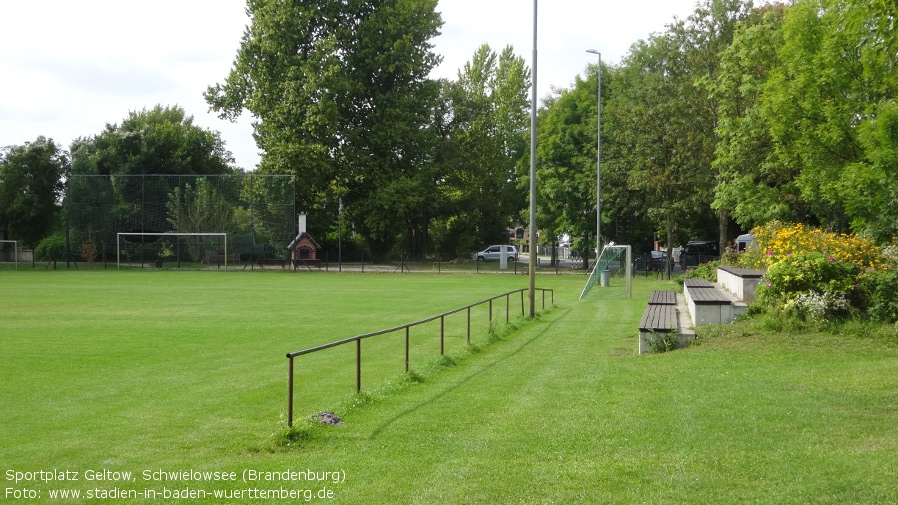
x=442 y=317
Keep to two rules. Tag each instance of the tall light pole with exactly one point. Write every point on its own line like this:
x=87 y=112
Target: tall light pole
x=598 y=159
x=531 y=267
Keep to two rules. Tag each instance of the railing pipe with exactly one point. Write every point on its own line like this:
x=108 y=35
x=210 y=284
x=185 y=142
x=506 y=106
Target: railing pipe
x=358 y=340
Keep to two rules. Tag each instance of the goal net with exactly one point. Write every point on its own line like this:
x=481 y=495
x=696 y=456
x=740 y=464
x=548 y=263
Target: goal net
x=166 y=250
x=9 y=252
x=610 y=255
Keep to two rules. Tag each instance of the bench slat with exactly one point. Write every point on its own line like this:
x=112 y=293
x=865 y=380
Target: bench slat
x=663 y=297
x=659 y=318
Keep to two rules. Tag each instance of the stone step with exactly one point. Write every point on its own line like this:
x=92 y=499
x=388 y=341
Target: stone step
x=709 y=303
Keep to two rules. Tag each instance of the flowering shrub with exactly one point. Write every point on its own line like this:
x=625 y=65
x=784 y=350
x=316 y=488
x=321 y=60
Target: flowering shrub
x=809 y=271
x=776 y=241
x=816 y=306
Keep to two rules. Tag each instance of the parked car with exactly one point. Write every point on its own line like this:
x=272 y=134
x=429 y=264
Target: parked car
x=696 y=252
x=656 y=261
x=492 y=252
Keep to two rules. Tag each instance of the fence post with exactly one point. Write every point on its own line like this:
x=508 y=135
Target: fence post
x=507 y=306
x=522 y=303
x=406 y=349
x=469 y=325
x=442 y=335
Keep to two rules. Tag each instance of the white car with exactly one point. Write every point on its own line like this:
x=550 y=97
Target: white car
x=492 y=252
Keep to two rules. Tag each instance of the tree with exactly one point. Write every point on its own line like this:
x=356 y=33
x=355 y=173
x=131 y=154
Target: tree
x=198 y=210
x=750 y=182
x=830 y=108
x=482 y=130
x=703 y=37
x=567 y=168
x=162 y=140
x=342 y=98
x=31 y=186
x=657 y=112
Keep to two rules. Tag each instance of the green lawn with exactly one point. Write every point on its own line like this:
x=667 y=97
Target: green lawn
x=135 y=371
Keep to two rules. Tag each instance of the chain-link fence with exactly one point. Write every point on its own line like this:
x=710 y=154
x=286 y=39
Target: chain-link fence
x=257 y=212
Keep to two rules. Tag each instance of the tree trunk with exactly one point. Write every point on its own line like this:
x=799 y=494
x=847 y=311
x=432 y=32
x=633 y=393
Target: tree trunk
x=723 y=223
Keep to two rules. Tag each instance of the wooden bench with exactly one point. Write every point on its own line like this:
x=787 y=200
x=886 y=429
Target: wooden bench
x=659 y=318
x=663 y=297
x=698 y=283
x=662 y=319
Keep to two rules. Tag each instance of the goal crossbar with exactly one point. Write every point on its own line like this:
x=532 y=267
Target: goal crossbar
x=118 y=236
x=15 y=245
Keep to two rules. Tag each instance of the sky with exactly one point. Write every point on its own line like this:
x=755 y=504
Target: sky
x=68 y=68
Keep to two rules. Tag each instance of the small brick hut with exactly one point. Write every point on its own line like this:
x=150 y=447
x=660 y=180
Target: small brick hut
x=303 y=249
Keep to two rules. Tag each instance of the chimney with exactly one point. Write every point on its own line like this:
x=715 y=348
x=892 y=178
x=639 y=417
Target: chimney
x=302 y=223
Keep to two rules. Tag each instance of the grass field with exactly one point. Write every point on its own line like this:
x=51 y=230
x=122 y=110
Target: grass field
x=185 y=371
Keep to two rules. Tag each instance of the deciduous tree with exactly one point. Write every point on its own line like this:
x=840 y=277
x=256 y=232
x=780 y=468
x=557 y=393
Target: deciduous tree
x=31 y=186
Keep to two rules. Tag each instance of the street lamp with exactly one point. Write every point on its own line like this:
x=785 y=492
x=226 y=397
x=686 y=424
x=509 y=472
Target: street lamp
x=531 y=266
x=598 y=159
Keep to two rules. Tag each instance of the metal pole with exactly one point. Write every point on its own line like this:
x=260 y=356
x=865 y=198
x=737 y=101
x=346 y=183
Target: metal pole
x=358 y=366
x=290 y=395
x=533 y=243
x=598 y=157
x=340 y=236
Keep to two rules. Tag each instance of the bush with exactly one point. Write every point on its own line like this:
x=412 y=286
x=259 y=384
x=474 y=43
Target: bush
x=707 y=271
x=51 y=248
x=881 y=287
x=812 y=286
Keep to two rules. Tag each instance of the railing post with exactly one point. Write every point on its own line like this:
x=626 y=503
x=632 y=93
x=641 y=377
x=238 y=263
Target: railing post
x=442 y=335
x=358 y=366
x=507 y=306
x=522 y=303
x=406 y=349
x=469 y=325
x=290 y=395
x=491 y=312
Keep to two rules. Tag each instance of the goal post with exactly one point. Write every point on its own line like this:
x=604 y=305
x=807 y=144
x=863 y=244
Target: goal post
x=15 y=247
x=610 y=253
x=118 y=237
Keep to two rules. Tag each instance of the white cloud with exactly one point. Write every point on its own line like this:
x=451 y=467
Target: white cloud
x=70 y=67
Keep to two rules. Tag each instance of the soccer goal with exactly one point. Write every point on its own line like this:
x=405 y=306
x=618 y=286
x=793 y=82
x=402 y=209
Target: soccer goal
x=198 y=246
x=5 y=250
x=611 y=253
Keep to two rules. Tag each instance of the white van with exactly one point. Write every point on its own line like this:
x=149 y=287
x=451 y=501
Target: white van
x=743 y=242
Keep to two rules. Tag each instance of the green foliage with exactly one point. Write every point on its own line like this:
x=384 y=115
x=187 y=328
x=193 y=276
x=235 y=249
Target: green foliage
x=481 y=126
x=52 y=247
x=707 y=271
x=161 y=140
x=881 y=286
x=663 y=342
x=811 y=285
x=31 y=185
x=342 y=100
